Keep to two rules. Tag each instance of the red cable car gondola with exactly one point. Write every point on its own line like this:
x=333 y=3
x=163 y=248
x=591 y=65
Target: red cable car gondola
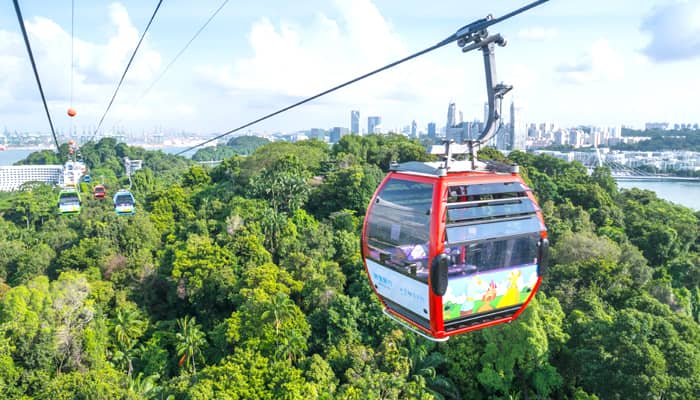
x=451 y=250
x=455 y=246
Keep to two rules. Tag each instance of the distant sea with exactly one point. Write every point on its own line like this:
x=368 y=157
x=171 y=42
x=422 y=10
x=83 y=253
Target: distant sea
x=685 y=193
x=11 y=156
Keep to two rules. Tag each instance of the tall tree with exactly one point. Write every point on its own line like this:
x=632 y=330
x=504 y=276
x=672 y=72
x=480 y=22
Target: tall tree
x=190 y=341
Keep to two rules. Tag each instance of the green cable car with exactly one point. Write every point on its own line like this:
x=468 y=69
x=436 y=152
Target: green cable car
x=69 y=201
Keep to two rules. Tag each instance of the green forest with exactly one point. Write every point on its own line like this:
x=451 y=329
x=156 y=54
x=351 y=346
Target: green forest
x=245 y=281
x=662 y=140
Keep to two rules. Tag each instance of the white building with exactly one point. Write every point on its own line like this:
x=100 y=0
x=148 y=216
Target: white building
x=12 y=177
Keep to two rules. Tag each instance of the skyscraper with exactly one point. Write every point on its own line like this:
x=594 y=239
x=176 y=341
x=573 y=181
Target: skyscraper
x=414 y=129
x=337 y=133
x=518 y=128
x=431 y=130
x=451 y=115
x=373 y=125
x=355 y=122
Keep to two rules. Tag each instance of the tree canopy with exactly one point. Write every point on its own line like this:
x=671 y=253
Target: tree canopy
x=246 y=281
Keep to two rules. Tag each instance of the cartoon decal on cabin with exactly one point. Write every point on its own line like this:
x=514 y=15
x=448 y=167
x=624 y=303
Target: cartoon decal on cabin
x=484 y=292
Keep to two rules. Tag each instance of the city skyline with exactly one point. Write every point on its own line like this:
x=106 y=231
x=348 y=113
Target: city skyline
x=604 y=64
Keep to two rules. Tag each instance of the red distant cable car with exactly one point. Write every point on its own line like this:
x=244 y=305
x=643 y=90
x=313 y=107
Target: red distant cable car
x=72 y=112
x=450 y=248
x=99 y=192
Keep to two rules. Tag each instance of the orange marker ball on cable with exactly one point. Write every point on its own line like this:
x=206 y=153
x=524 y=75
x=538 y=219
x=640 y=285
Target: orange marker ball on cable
x=71 y=112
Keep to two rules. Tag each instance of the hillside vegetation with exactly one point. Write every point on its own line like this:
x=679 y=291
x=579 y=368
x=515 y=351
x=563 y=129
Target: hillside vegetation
x=245 y=281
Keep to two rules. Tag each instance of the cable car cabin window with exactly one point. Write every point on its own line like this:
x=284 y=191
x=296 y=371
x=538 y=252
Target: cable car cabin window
x=481 y=210
x=487 y=191
x=398 y=227
x=70 y=198
x=123 y=200
x=486 y=230
x=495 y=254
x=490 y=211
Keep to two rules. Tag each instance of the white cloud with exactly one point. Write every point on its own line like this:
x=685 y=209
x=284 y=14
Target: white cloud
x=600 y=63
x=290 y=62
x=98 y=66
x=675 y=31
x=537 y=33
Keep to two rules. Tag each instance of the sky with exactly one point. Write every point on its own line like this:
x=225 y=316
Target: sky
x=595 y=62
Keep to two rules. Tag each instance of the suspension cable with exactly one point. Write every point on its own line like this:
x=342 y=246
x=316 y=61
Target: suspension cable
x=464 y=31
x=126 y=70
x=36 y=73
x=72 y=57
x=148 y=89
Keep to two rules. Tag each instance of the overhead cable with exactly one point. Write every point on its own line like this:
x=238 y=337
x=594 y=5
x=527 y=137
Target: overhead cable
x=36 y=73
x=464 y=31
x=72 y=58
x=182 y=50
x=126 y=70
x=145 y=92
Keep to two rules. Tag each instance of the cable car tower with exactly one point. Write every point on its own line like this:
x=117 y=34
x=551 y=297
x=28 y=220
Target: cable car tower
x=459 y=244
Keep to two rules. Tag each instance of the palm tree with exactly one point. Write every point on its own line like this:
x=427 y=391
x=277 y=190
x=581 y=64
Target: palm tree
x=290 y=345
x=190 y=342
x=127 y=328
x=124 y=356
x=425 y=362
x=145 y=387
x=127 y=325
x=278 y=311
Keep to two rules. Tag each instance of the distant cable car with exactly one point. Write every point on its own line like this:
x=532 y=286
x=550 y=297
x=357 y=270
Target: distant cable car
x=99 y=192
x=124 y=202
x=69 y=201
x=72 y=112
x=87 y=179
x=450 y=249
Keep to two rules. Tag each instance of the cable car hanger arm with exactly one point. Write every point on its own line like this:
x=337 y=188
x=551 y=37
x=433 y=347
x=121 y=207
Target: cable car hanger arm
x=464 y=35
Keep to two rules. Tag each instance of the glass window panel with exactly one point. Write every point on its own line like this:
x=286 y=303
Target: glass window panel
x=123 y=199
x=492 y=230
x=488 y=188
x=478 y=211
x=69 y=198
x=494 y=254
x=399 y=227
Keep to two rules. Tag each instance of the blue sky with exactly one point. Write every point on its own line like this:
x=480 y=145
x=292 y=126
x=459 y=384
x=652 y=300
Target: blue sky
x=570 y=62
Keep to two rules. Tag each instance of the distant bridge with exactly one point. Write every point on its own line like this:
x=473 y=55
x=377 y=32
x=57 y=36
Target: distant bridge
x=654 y=178
x=622 y=172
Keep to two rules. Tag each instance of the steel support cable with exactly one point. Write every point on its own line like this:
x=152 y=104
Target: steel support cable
x=72 y=58
x=121 y=80
x=462 y=32
x=36 y=73
x=145 y=92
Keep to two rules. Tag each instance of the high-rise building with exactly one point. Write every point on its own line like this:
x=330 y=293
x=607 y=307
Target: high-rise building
x=355 y=122
x=576 y=137
x=374 y=125
x=561 y=136
x=451 y=116
x=338 y=132
x=431 y=130
x=518 y=128
x=317 y=133
x=656 y=125
x=414 y=129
